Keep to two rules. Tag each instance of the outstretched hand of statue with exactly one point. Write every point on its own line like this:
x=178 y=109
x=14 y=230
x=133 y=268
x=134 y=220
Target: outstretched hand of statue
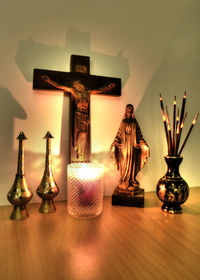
x=110 y=86
x=145 y=147
x=115 y=152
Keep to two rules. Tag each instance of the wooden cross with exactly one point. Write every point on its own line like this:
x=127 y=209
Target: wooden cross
x=80 y=85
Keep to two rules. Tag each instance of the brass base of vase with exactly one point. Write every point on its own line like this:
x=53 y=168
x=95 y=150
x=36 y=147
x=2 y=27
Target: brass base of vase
x=47 y=206
x=19 y=213
x=173 y=209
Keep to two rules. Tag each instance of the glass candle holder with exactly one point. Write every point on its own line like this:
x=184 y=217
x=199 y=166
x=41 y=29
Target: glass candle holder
x=85 y=189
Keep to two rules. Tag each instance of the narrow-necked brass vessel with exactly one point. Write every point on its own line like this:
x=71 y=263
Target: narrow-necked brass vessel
x=48 y=188
x=19 y=195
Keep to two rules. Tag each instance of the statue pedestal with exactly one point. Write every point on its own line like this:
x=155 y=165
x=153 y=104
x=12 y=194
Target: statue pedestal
x=127 y=198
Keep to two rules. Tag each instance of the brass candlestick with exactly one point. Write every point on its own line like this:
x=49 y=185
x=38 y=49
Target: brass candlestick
x=48 y=188
x=19 y=195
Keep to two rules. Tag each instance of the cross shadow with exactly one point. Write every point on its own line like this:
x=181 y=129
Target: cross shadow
x=31 y=54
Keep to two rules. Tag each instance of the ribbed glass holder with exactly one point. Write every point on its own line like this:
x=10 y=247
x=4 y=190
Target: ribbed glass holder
x=85 y=189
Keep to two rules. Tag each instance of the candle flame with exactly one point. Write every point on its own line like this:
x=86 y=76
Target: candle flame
x=182 y=125
x=86 y=171
x=174 y=100
x=195 y=119
x=164 y=118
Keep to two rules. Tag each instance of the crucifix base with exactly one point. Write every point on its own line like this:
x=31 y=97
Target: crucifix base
x=128 y=199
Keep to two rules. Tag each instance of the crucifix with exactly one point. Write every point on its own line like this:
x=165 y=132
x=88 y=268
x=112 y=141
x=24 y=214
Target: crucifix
x=80 y=85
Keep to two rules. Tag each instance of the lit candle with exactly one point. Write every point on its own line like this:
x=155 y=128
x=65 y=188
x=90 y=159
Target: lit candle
x=85 y=189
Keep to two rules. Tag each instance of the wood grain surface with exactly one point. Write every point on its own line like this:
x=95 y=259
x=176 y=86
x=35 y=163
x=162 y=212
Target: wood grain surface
x=123 y=243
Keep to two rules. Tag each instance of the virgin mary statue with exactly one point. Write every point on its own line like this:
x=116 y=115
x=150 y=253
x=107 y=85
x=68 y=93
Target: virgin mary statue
x=130 y=151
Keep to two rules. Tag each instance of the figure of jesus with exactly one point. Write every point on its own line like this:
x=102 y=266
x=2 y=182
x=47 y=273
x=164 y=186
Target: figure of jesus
x=81 y=120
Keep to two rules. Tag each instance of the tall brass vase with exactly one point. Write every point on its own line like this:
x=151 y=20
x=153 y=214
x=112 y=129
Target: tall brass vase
x=19 y=195
x=172 y=189
x=48 y=188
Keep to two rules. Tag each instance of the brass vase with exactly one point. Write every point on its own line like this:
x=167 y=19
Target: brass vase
x=48 y=188
x=172 y=189
x=19 y=195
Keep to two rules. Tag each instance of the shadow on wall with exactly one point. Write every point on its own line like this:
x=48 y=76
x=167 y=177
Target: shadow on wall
x=9 y=110
x=34 y=163
x=31 y=54
x=179 y=70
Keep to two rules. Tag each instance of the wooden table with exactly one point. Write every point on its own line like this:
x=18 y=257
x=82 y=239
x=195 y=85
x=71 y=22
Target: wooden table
x=123 y=243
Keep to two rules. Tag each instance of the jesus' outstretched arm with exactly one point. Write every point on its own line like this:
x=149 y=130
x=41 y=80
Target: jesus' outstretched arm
x=59 y=86
x=103 y=89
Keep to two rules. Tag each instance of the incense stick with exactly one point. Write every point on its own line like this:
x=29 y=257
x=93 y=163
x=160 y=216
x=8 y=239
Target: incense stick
x=183 y=107
x=169 y=133
x=164 y=117
x=174 y=126
x=188 y=134
x=173 y=140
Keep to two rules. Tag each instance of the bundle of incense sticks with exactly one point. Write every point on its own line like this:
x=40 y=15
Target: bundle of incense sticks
x=173 y=136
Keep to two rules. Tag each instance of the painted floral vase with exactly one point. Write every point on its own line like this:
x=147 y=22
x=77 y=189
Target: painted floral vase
x=172 y=189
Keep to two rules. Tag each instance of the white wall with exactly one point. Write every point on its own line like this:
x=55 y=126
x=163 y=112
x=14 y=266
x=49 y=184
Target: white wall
x=154 y=46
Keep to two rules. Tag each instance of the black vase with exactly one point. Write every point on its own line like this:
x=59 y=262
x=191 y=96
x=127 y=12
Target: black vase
x=172 y=189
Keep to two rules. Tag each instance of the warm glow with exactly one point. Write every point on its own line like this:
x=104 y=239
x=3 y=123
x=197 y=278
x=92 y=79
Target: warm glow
x=85 y=189
x=84 y=260
x=85 y=171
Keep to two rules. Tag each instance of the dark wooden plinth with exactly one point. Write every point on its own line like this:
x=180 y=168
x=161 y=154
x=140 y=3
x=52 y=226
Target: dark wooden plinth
x=127 y=199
